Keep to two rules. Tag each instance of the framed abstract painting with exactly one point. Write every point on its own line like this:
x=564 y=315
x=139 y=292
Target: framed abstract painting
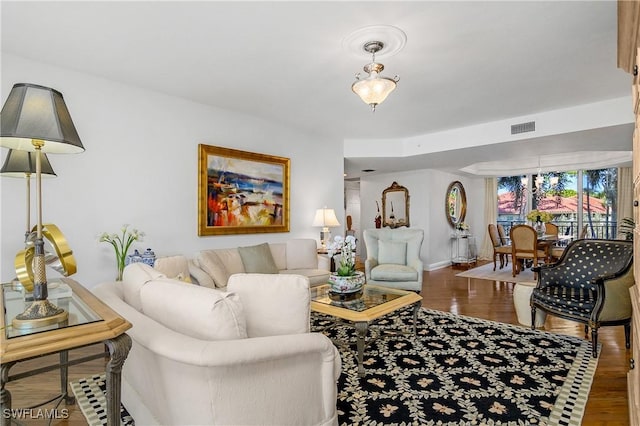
x=241 y=192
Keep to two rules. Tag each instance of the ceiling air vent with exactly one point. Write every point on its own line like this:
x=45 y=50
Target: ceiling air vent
x=523 y=127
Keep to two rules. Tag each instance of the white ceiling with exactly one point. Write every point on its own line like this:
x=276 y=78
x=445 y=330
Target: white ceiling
x=464 y=63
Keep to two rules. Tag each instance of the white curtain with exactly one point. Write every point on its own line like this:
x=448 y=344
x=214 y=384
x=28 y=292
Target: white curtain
x=625 y=193
x=490 y=216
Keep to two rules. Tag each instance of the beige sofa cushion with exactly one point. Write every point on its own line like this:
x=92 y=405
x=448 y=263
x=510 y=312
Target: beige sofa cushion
x=279 y=253
x=302 y=253
x=261 y=295
x=231 y=259
x=200 y=275
x=210 y=262
x=199 y=312
x=315 y=276
x=134 y=277
x=176 y=267
x=258 y=259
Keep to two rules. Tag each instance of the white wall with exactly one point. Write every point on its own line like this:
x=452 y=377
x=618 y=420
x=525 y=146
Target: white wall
x=352 y=207
x=140 y=167
x=427 y=189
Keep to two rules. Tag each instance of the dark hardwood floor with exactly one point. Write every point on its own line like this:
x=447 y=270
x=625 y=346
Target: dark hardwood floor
x=442 y=290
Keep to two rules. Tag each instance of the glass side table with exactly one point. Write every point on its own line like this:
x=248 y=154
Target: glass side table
x=90 y=321
x=463 y=249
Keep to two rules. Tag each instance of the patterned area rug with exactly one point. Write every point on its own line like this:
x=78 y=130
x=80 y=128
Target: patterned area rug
x=90 y=396
x=462 y=370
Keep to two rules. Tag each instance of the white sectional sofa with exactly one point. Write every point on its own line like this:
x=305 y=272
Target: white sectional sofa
x=213 y=267
x=202 y=356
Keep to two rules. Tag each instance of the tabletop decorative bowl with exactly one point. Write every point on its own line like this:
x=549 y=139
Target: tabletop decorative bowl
x=348 y=283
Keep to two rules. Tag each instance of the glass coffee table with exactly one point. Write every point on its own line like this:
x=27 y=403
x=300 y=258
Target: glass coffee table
x=363 y=308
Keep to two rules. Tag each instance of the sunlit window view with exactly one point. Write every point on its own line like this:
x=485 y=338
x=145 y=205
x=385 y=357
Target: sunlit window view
x=581 y=203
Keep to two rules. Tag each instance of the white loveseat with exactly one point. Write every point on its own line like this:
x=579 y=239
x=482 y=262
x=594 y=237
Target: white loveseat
x=203 y=356
x=213 y=267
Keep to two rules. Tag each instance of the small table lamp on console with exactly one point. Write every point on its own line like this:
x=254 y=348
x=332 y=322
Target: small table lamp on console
x=36 y=119
x=326 y=218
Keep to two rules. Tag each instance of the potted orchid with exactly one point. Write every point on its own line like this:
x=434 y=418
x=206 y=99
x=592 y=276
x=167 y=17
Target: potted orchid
x=345 y=279
x=121 y=243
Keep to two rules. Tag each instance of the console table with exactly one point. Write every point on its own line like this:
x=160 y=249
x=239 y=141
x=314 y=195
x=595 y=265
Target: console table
x=90 y=321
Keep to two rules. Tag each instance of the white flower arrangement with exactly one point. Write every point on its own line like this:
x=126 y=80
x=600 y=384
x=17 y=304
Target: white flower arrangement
x=463 y=226
x=346 y=247
x=121 y=243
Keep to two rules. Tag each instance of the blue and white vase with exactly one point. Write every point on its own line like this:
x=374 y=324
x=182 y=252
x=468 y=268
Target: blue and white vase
x=149 y=257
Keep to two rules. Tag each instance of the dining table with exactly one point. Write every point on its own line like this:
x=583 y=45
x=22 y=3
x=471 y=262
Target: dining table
x=553 y=245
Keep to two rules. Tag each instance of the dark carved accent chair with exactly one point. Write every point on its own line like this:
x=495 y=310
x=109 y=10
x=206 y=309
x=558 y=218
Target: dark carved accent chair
x=589 y=284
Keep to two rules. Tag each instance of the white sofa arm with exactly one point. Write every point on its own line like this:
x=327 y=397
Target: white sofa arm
x=273 y=304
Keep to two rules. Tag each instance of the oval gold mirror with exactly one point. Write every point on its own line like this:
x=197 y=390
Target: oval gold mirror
x=395 y=206
x=455 y=204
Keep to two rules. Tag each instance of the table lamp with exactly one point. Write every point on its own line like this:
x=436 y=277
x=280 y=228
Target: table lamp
x=22 y=164
x=326 y=218
x=36 y=119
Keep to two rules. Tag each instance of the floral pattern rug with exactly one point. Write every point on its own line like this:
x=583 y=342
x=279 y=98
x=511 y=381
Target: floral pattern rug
x=461 y=370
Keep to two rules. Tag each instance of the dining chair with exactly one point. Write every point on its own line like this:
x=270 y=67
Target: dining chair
x=504 y=240
x=553 y=247
x=524 y=247
x=499 y=249
x=551 y=229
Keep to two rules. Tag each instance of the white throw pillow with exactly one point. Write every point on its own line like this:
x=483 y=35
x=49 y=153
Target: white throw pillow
x=176 y=267
x=200 y=276
x=392 y=252
x=134 y=277
x=199 y=312
x=209 y=261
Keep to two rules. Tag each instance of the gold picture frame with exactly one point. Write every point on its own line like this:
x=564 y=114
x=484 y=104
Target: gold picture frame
x=241 y=192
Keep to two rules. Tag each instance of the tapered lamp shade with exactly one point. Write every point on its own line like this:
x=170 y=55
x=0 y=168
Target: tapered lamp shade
x=18 y=164
x=326 y=218
x=37 y=112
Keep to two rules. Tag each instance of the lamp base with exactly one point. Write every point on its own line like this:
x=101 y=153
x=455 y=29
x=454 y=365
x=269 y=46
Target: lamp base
x=38 y=314
x=325 y=238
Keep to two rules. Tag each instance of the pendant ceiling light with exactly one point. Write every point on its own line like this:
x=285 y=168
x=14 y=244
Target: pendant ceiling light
x=374 y=89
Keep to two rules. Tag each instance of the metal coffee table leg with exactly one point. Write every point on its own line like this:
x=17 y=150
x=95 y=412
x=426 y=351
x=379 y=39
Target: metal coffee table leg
x=361 y=333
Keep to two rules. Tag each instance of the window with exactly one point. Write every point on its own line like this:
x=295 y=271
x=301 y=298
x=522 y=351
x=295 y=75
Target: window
x=574 y=199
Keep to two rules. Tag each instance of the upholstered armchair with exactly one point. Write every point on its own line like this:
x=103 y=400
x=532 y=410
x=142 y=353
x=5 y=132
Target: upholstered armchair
x=589 y=284
x=393 y=257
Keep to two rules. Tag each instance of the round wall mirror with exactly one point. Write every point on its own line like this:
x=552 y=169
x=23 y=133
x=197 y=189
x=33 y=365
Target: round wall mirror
x=455 y=204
